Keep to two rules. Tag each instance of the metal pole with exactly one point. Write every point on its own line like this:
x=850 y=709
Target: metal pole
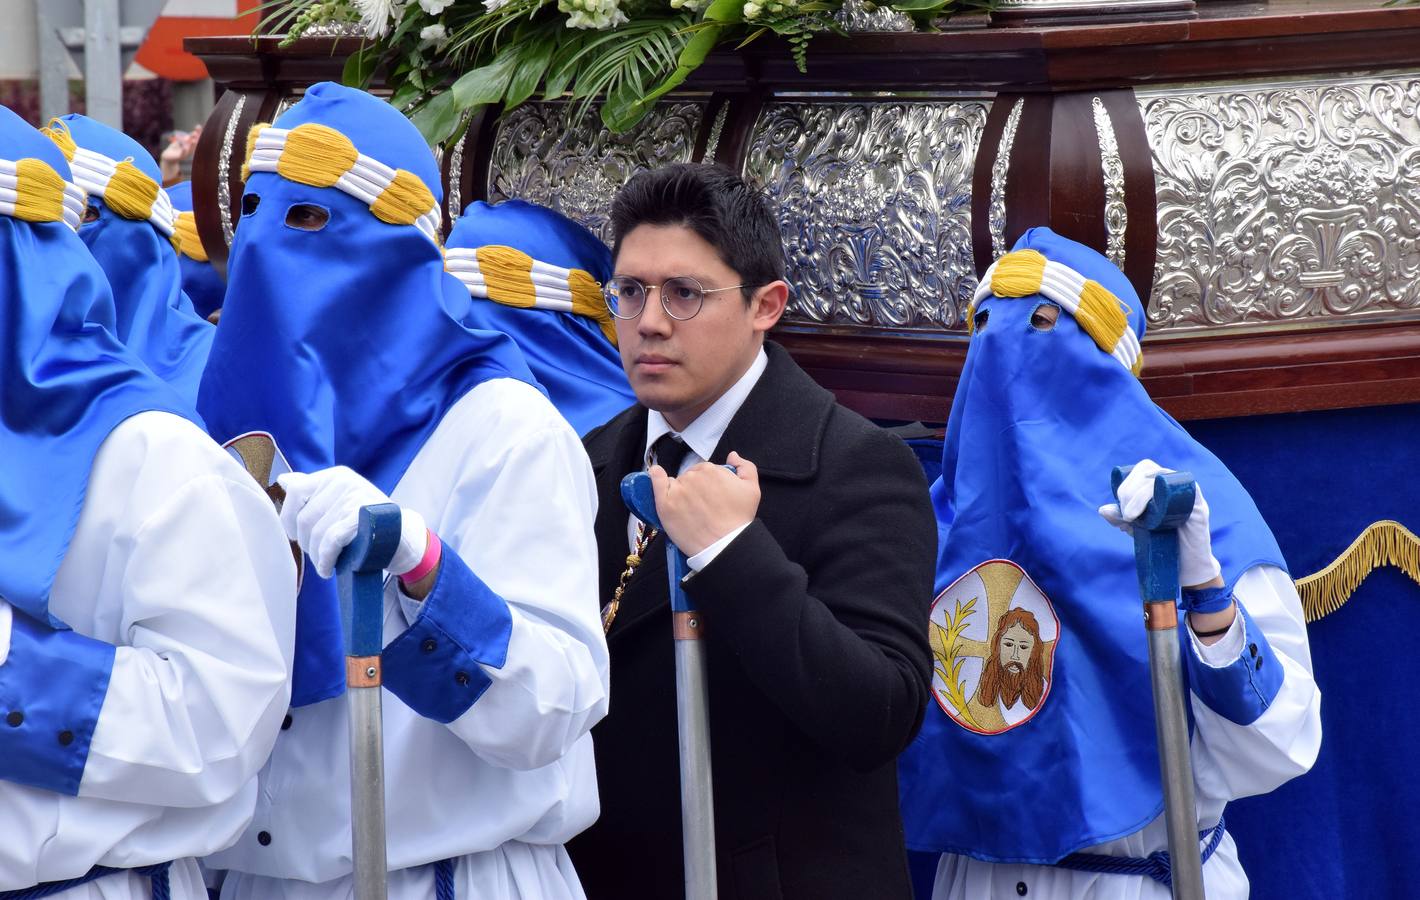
x=697 y=800
x=103 y=63
x=361 y=586
x=1156 y=557
x=53 y=66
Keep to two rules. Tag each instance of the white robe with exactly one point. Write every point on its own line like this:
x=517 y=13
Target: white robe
x=178 y=559
x=1229 y=761
x=506 y=485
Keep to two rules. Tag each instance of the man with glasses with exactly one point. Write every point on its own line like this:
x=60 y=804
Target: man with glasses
x=812 y=561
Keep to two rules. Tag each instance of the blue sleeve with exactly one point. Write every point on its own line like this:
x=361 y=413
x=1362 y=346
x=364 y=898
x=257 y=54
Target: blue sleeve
x=52 y=689
x=1242 y=690
x=435 y=666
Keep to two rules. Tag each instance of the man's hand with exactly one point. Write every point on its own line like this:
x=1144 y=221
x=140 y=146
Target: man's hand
x=322 y=512
x=706 y=502
x=1196 y=565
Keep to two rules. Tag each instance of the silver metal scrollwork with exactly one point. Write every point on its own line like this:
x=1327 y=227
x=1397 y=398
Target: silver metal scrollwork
x=224 y=170
x=576 y=167
x=454 y=203
x=857 y=18
x=1286 y=203
x=996 y=212
x=874 y=204
x=1116 y=213
x=712 y=143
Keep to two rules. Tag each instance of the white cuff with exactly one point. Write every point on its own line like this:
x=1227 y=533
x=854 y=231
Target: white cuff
x=1227 y=649
x=6 y=617
x=706 y=556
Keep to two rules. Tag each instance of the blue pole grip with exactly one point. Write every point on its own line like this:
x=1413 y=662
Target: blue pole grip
x=1156 y=531
x=360 y=578
x=640 y=497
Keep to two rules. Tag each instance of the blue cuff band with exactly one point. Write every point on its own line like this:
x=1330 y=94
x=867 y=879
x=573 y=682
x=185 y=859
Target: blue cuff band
x=1207 y=600
x=52 y=689
x=435 y=667
x=1242 y=690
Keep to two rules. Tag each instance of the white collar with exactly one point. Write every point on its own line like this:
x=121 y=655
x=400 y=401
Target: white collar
x=703 y=435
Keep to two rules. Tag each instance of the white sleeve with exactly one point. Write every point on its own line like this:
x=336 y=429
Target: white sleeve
x=1232 y=760
x=201 y=681
x=529 y=538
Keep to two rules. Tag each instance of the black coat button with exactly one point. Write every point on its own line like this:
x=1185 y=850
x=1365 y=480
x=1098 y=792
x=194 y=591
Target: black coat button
x=1252 y=648
x=263 y=838
x=15 y=719
x=286 y=722
x=1259 y=663
x=1020 y=888
x=66 y=738
x=429 y=645
x=461 y=678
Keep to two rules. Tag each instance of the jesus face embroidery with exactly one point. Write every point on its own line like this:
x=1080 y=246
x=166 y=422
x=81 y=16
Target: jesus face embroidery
x=993 y=635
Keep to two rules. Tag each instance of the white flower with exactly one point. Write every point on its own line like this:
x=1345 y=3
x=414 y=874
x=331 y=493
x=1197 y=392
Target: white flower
x=495 y=5
x=430 y=35
x=751 y=10
x=434 y=7
x=375 y=15
x=596 y=14
x=689 y=5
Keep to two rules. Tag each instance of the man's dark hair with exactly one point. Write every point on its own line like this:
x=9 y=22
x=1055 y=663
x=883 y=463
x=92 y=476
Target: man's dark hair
x=715 y=203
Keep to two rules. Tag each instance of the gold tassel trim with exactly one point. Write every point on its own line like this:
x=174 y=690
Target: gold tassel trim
x=58 y=131
x=1383 y=543
x=189 y=244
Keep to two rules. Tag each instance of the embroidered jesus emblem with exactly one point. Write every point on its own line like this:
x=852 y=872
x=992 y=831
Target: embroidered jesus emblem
x=993 y=636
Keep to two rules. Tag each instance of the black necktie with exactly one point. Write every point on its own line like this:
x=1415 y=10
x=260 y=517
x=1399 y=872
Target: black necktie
x=670 y=452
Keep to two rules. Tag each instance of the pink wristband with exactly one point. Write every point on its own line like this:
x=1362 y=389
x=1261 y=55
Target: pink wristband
x=433 y=551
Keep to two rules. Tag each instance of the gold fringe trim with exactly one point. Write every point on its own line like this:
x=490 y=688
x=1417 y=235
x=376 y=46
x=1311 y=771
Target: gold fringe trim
x=1383 y=543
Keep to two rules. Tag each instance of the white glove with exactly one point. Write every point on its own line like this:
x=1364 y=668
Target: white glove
x=1196 y=563
x=322 y=512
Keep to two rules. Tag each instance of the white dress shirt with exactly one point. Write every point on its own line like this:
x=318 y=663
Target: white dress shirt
x=179 y=561
x=701 y=437
x=504 y=482
x=1229 y=761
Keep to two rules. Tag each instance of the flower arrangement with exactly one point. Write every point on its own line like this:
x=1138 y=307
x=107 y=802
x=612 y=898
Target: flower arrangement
x=445 y=58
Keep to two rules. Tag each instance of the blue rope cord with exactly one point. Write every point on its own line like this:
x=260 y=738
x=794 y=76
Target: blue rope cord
x=1156 y=865
x=157 y=875
x=443 y=879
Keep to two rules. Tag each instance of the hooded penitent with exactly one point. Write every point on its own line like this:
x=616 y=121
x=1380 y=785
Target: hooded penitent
x=342 y=335
x=1040 y=737
x=200 y=281
x=65 y=380
x=537 y=276
x=131 y=234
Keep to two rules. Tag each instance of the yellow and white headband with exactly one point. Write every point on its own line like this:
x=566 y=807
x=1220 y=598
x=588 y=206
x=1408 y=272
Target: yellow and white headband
x=319 y=156
x=124 y=188
x=513 y=278
x=1100 y=314
x=32 y=190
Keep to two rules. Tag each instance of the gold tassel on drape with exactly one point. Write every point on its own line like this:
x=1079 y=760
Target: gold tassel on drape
x=1384 y=543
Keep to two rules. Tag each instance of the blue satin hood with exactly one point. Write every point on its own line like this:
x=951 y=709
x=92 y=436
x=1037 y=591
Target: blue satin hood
x=347 y=344
x=569 y=353
x=152 y=315
x=1028 y=572
x=66 y=383
x=200 y=281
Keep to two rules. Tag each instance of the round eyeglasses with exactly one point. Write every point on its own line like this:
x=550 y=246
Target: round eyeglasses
x=681 y=296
